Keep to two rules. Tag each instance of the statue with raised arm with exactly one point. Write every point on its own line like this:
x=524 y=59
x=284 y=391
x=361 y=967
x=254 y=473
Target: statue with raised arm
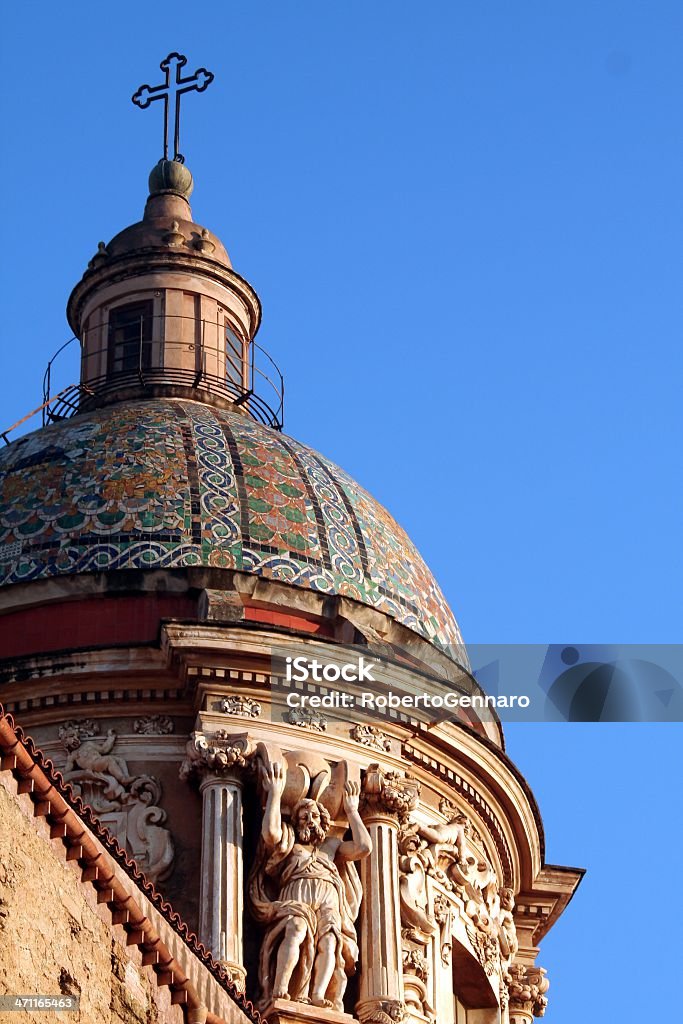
x=305 y=889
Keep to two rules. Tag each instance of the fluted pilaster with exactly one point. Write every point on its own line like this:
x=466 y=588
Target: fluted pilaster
x=388 y=799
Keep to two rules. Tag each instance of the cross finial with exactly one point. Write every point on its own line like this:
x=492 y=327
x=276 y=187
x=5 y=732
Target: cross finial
x=172 y=89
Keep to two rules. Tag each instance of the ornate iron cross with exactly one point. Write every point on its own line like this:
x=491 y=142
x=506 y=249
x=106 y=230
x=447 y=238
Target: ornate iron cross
x=172 y=89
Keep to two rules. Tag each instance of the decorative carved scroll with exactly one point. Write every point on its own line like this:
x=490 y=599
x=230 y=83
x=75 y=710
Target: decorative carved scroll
x=236 y=704
x=153 y=725
x=371 y=736
x=443 y=915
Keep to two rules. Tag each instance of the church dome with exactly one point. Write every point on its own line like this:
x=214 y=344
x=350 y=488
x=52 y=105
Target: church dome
x=173 y=483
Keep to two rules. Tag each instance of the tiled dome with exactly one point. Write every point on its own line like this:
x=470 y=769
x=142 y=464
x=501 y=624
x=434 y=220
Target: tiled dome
x=167 y=483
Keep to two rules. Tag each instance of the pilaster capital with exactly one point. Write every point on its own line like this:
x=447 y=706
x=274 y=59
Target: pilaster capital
x=381 y=1011
x=526 y=986
x=220 y=755
x=389 y=794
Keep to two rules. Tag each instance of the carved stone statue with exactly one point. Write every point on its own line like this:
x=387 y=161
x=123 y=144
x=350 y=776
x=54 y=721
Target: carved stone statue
x=507 y=932
x=127 y=804
x=306 y=890
x=94 y=755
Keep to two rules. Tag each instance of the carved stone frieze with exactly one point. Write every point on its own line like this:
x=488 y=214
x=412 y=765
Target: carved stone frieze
x=307 y=718
x=526 y=987
x=244 y=707
x=371 y=736
x=153 y=725
x=127 y=804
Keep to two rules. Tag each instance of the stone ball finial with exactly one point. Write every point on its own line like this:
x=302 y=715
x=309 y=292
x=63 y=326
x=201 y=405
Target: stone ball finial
x=171 y=176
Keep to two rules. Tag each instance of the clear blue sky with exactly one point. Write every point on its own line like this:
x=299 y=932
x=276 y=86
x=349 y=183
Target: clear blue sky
x=465 y=223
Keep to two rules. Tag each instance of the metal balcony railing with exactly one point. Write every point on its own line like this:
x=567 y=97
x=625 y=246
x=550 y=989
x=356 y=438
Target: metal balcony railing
x=168 y=349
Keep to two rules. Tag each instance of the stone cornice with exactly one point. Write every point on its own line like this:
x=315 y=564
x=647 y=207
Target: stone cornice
x=159 y=258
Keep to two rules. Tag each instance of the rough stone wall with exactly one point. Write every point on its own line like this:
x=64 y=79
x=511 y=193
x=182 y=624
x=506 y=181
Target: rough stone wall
x=54 y=937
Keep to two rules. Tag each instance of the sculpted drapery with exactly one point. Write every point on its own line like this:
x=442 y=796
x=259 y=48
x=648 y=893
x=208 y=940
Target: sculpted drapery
x=304 y=888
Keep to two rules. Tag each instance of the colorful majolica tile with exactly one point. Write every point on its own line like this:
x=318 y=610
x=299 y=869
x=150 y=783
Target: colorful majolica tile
x=165 y=483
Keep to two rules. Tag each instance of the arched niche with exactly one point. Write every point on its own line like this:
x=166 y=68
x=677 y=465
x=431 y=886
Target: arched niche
x=475 y=999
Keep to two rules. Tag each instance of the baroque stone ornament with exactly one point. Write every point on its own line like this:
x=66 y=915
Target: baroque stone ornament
x=418 y=925
x=127 y=804
x=455 y=816
x=382 y=1011
x=153 y=725
x=236 y=704
x=507 y=932
x=452 y=853
x=305 y=890
x=443 y=915
x=371 y=736
x=390 y=792
x=218 y=753
x=526 y=987
x=306 y=718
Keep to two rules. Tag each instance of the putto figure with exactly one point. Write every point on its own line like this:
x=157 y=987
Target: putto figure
x=306 y=890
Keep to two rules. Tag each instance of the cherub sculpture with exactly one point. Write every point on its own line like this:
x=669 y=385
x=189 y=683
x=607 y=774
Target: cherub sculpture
x=94 y=755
